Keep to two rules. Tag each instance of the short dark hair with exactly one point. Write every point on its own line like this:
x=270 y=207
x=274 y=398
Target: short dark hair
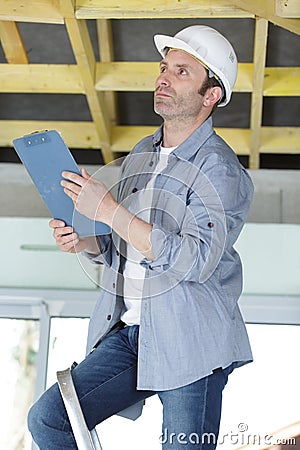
x=211 y=82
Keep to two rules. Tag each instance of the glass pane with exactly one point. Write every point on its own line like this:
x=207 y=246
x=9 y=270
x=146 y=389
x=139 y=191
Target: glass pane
x=263 y=397
x=67 y=344
x=18 y=348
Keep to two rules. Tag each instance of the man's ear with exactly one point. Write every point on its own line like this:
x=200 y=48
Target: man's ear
x=212 y=96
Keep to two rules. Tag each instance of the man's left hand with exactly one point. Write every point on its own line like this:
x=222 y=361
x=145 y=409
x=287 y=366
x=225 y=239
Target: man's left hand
x=90 y=197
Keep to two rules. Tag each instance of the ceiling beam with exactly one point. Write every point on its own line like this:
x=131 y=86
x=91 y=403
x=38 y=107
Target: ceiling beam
x=84 y=54
x=259 y=61
x=45 y=11
x=12 y=43
x=106 y=50
x=288 y=8
x=118 y=76
x=76 y=134
x=267 y=10
x=125 y=137
x=128 y=9
x=281 y=140
x=282 y=82
x=140 y=76
x=41 y=78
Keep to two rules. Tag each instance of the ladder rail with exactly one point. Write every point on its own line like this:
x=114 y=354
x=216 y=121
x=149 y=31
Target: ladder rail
x=85 y=439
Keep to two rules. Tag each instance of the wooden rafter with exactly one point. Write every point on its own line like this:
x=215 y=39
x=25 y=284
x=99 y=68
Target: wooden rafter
x=283 y=140
x=122 y=9
x=282 y=81
x=105 y=42
x=99 y=81
x=42 y=78
x=118 y=76
x=76 y=134
x=290 y=8
x=140 y=76
x=45 y=11
x=84 y=54
x=12 y=43
x=267 y=10
x=259 y=60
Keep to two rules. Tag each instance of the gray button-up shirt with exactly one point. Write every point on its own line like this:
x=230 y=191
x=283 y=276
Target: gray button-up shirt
x=190 y=319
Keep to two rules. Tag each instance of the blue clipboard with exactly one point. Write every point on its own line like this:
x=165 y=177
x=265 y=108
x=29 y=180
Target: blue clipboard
x=45 y=156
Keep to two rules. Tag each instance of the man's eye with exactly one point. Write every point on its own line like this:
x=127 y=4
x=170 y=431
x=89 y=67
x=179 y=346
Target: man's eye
x=182 y=72
x=163 y=69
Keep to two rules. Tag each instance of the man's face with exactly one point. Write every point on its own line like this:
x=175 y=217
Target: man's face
x=176 y=90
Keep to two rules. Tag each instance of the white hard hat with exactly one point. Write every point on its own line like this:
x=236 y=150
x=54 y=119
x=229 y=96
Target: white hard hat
x=209 y=47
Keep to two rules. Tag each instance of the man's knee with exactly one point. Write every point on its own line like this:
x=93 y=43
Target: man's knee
x=47 y=412
x=33 y=418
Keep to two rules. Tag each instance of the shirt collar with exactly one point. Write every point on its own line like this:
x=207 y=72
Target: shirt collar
x=191 y=145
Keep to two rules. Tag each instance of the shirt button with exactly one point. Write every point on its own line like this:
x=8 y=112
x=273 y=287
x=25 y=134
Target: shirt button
x=114 y=285
x=108 y=317
x=117 y=252
x=210 y=224
x=151 y=163
x=134 y=190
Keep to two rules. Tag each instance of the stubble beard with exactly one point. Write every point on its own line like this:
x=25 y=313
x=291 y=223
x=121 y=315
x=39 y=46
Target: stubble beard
x=179 y=108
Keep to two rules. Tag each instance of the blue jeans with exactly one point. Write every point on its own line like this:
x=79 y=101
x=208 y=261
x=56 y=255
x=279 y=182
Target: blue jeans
x=105 y=382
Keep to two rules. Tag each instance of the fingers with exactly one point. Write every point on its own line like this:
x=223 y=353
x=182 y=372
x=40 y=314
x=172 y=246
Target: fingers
x=85 y=174
x=62 y=231
x=67 y=243
x=55 y=223
x=71 y=187
x=74 y=177
x=65 y=239
x=73 y=196
x=64 y=236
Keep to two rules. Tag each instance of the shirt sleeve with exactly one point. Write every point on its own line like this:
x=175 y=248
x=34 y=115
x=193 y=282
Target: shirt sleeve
x=104 y=257
x=213 y=217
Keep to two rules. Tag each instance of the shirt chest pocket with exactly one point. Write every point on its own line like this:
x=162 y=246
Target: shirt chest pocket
x=169 y=210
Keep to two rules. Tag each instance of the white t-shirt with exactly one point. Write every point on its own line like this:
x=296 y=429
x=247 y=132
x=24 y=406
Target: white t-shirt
x=134 y=272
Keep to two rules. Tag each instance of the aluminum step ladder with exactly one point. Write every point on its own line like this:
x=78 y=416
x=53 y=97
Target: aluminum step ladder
x=85 y=439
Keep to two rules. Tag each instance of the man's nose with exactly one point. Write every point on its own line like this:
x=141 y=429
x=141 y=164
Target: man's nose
x=163 y=80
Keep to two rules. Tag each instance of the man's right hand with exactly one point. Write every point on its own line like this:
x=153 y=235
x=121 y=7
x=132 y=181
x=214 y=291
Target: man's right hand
x=68 y=241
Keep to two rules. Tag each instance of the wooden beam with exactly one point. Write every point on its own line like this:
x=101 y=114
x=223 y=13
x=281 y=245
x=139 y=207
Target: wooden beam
x=46 y=11
x=75 y=134
x=41 y=78
x=62 y=78
x=237 y=138
x=140 y=76
x=12 y=43
x=280 y=140
x=125 y=137
x=83 y=51
x=67 y=8
x=288 y=8
x=154 y=9
x=126 y=76
x=260 y=45
x=105 y=42
x=266 y=10
x=282 y=81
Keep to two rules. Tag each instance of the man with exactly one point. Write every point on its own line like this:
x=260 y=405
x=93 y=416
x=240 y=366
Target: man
x=167 y=320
